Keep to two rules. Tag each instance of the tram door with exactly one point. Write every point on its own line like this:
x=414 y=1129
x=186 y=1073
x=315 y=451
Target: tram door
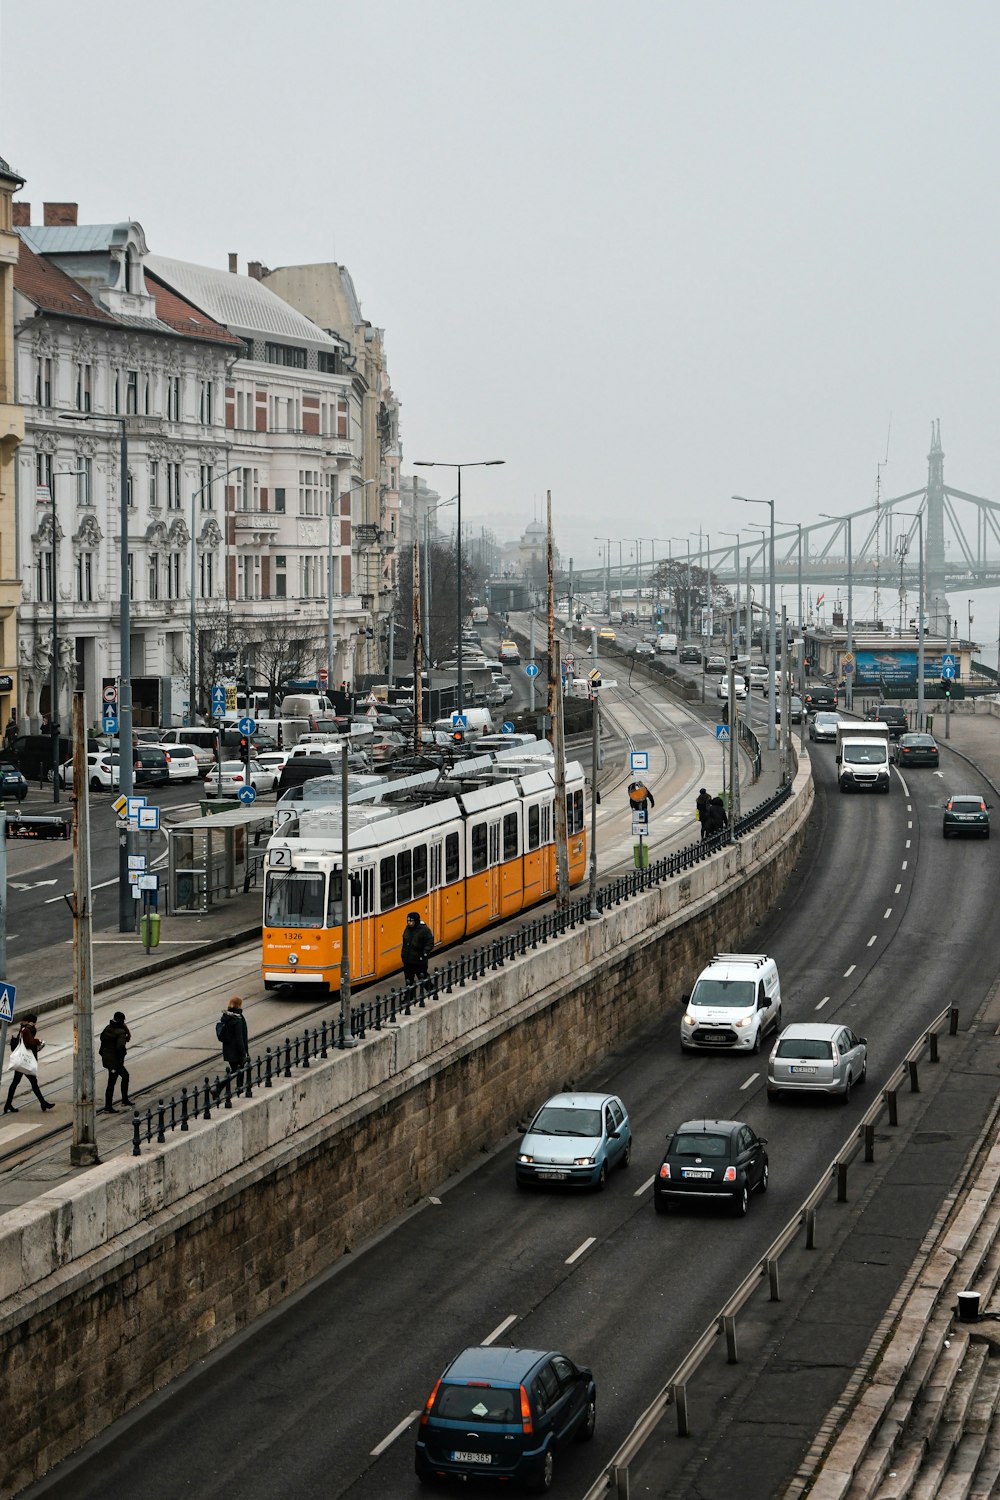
x=496 y=869
x=363 y=919
x=434 y=886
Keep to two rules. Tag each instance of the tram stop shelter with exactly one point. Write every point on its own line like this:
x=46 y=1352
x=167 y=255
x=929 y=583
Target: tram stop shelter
x=213 y=859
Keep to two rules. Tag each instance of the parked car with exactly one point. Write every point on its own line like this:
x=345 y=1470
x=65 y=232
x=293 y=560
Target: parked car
x=183 y=763
x=504 y=1414
x=12 y=783
x=204 y=758
x=102 y=771
x=711 y=1161
x=233 y=774
x=823 y=726
x=816 y=1058
x=575 y=1139
x=150 y=766
x=274 y=760
x=916 y=750
x=892 y=714
x=689 y=654
x=967 y=813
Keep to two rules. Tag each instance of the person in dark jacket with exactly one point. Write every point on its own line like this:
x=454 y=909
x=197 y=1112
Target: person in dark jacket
x=231 y=1029
x=114 y=1040
x=702 y=803
x=415 y=950
x=27 y=1034
x=717 y=817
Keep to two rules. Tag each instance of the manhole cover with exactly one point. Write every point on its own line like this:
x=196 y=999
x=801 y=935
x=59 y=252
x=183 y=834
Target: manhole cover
x=930 y=1137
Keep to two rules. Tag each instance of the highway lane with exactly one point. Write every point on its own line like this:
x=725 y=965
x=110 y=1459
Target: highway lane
x=325 y=1382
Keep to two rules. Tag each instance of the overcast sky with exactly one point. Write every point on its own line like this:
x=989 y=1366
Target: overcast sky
x=649 y=254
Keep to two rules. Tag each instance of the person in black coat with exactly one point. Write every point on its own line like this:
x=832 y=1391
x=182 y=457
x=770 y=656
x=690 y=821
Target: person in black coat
x=231 y=1029
x=415 y=950
x=717 y=816
x=114 y=1040
x=702 y=803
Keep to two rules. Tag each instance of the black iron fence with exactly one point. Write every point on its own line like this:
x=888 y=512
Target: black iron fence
x=316 y=1042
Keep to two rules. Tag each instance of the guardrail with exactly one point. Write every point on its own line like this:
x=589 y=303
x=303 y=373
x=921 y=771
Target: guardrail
x=384 y=1009
x=615 y=1478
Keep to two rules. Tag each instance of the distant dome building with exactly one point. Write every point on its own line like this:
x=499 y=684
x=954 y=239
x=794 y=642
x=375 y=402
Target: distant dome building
x=527 y=556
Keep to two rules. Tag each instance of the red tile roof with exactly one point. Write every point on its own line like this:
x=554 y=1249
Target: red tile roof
x=184 y=317
x=53 y=291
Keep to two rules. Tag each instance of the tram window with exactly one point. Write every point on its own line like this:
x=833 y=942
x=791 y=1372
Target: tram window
x=294 y=900
x=533 y=826
x=420 y=870
x=510 y=836
x=547 y=823
x=574 y=812
x=404 y=877
x=334 y=915
x=450 y=857
x=387 y=883
x=480 y=856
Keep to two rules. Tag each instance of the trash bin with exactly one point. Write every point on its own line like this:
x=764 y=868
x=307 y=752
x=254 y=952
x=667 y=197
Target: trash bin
x=929 y=718
x=149 y=929
x=968 y=1307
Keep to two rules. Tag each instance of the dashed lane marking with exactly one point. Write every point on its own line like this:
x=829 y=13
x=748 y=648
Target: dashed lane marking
x=580 y=1250
x=749 y=1081
x=394 y=1434
x=500 y=1328
x=645 y=1187
x=873 y=939
x=850 y=971
x=822 y=1002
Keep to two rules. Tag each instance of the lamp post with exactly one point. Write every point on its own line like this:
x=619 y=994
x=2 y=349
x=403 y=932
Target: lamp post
x=798 y=526
x=610 y=542
x=737 y=563
x=918 y=516
x=482 y=463
x=355 y=484
x=771 y=653
x=426 y=579
x=193 y=623
x=54 y=679
x=849 y=687
x=126 y=903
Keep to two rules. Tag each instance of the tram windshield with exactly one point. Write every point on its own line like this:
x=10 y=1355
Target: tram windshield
x=294 y=899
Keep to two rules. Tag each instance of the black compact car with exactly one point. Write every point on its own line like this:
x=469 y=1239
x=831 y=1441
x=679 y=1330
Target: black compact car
x=967 y=813
x=150 y=766
x=504 y=1414
x=12 y=783
x=711 y=1161
x=819 y=696
x=689 y=654
x=915 y=750
x=893 y=715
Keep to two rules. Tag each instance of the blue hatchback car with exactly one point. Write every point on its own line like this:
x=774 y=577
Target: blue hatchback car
x=504 y=1414
x=575 y=1139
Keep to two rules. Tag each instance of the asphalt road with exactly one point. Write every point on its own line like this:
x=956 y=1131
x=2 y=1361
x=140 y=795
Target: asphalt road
x=320 y=1399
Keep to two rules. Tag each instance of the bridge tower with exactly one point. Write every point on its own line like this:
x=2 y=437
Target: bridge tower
x=937 y=601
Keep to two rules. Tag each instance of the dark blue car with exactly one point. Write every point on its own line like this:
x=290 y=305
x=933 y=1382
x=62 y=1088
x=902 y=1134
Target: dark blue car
x=504 y=1414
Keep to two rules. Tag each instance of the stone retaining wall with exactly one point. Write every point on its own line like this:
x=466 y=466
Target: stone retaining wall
x=115 y=1283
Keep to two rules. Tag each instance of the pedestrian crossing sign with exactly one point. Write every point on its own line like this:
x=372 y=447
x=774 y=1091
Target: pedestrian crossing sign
x=7 y=993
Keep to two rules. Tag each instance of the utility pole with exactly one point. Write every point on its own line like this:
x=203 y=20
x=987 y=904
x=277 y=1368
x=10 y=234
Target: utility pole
x=418 y=652
x=734 y=732
x=947 y=701
x=83 y=1151
x=3 y=920
x=531 y=656
x=559 y=756
x=595 y=714
x=347 y=1040
x=554 y=683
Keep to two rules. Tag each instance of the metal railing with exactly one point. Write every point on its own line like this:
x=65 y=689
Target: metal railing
x=614 y=1479
x=455 y=973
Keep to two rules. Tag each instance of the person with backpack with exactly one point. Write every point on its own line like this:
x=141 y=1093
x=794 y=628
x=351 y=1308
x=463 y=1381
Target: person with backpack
x=231 y=1029
x=114 y=1040
x=415 y=950
x=25 y=1046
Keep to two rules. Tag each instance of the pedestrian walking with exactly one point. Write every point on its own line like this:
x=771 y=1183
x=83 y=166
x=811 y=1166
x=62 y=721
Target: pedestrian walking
x=415 y=950
x=231 y=1029
x=702 y=803
x=717 y=817
x=114 y=1040
x=24 y=1050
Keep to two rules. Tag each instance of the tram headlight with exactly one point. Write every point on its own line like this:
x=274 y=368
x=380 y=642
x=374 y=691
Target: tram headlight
x=293 y=958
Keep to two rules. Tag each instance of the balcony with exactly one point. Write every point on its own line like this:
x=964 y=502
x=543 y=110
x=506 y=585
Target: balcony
x=257 y=526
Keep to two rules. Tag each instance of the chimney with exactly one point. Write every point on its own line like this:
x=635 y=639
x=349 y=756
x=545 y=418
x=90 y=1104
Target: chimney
x=233 y=259
x=59 y=213
x=22 y=215
x=255 y=269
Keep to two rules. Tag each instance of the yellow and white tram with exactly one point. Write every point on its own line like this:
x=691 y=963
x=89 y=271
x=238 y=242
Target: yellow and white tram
x=464 y=854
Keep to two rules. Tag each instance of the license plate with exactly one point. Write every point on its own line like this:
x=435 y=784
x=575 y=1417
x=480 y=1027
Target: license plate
x=711 y=1039
x=553 y=1176
x=458 y=1457
x=696 y=1172
x=802 y=1070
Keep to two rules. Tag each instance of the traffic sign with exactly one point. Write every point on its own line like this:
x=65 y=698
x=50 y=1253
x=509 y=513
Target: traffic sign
x=247 y=794
x=722 y=733
x=947 y=673
x=948 y=660
x=218 y=700
x=133 y=805
x=111 y=695
x=120 y=805
x=110 y=724
x=531 y=669
x=848 y=668
x=638 y=760
x=149 y=819
x=7 y=993
x=507 y=727
x=247 y=726
x=459 y=721
x=324 y=677
x=847 y=660
x=137 y=861
x=149 y=882
x=640 y=823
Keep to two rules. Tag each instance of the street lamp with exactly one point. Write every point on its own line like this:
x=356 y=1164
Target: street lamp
x=54 y=679
x=193 y=624
x=849 y=688
x=355 y=484
x=918 y=516
x=737 y=557
x=771 y=656
x=482 y=463
x=126 y=903
x=798 y=525
x=609 y=542
x=426 y=578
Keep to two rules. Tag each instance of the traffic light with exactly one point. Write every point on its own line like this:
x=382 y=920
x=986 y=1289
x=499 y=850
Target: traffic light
x=946 y=685
x=243 y=679
x=245 y=749
x=458 y=737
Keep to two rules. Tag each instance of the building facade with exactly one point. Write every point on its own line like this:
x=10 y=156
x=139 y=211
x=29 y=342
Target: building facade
x=11 y=434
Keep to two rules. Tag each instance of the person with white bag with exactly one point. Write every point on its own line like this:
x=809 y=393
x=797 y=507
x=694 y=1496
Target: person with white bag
x=24 y=1050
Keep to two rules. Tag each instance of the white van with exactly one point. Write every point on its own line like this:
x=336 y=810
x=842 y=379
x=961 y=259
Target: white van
x=477 y=722
x=735 y=1002
x=284 y=732
x=667 y=641
x=196 y=734
x=304 y=705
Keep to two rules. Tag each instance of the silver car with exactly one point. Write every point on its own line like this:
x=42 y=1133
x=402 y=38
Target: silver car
x=823 y=726
x=815 y=1058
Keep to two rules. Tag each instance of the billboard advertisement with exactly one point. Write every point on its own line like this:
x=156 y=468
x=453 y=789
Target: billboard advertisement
x=876 y=667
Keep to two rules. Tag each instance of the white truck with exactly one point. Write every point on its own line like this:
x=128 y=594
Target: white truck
x=667 y=641
x=863 y=756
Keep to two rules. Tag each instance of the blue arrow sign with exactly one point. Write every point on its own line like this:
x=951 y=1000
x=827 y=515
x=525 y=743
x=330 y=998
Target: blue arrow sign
x=947 y=672
x=110 y=724
x=7 y=993
x=218 y=699
x=247 y=726
x=247 y=794
x=531 y=670
x=507 y=727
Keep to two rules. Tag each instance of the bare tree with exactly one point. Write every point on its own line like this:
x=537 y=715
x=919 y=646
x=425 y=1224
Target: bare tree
x=273 y=649
x=442 y=627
